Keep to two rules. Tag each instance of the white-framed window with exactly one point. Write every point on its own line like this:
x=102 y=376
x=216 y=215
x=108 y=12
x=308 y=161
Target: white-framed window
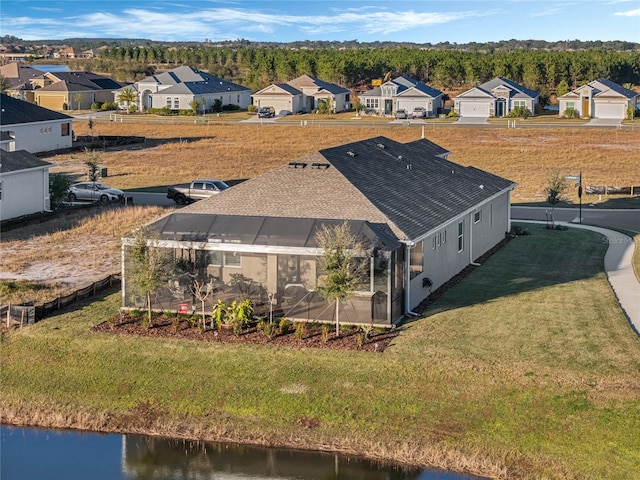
x=416 y=259
x=0 y=191
x=571 y=105
x=434 y=242
x=444 y=236
x=168 y=102
x=477 y=216
x=224 y=259
x=460 y=237
x=519 y=103
x=371 y=103
x=176 y=103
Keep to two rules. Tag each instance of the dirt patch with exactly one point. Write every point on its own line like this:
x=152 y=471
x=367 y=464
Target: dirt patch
x=351 y=337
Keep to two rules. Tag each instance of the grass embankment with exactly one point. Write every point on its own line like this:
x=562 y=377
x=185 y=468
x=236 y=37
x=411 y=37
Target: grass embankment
x=527 y=369
x=179 y=153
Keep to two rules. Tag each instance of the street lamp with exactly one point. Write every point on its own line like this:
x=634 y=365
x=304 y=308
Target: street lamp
x=579 y=185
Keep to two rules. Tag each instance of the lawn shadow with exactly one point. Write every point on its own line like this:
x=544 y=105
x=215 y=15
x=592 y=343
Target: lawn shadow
x=525 y=263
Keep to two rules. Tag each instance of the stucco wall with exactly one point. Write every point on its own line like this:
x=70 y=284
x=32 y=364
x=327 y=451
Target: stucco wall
x=40 y=136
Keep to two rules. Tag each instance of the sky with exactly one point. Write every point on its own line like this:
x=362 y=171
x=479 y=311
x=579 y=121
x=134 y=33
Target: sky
x=418 y=21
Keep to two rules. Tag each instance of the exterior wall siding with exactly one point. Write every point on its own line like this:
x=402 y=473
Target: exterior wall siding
x=24 y=193
x=40 y=136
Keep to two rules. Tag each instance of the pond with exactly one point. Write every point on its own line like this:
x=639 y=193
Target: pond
x=28 y=453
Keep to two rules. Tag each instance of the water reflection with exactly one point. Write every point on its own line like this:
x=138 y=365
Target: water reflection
x=28 y=453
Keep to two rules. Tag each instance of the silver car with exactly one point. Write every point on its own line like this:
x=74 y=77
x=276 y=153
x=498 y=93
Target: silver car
x=94 y=192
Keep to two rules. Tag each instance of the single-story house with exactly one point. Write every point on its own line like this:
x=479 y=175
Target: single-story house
x=73 y=90
x=402 y=93
x=424 y=217
x=303 y=95
x=601 y=98
x=33 y=128
x=24 y=184
x=177 y=88
x=495 y=98
x=19 y=77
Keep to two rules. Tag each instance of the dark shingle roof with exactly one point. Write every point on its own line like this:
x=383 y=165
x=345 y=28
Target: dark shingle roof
x=20 y=160
x=513 y=86
x=619 y=89
x=14 y=111
x=402 y=186
x=81 y=81
x=189 y=80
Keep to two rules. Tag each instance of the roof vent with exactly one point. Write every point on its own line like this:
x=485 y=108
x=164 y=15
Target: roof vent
x=409 y=166
x=320 y=166
x=297 y=165
x=381 y=145
x=399 y=157
x=351 y=153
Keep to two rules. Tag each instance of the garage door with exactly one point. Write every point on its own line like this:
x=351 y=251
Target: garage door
x=52 y=102
x=279 y=104
x=409 y=105
x=609 y=110
x=470 y=109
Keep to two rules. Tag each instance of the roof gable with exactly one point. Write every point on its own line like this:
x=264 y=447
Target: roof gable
x=278 y=89
x=186 y=79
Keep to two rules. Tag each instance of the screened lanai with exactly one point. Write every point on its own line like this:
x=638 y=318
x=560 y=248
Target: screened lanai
x=271 y=260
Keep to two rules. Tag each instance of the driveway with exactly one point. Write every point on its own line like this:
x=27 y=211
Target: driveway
x=604 y=122
x=471 y=121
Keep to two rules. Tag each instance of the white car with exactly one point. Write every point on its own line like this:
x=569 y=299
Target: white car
x=94 y=192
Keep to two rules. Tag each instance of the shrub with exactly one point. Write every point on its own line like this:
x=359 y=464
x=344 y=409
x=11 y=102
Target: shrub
x=96 y=106
x=570 y=113
x=261 y=324
x=301 y=330
x=269 y=330
x=133 y=108
x=252 y=108
x=231 y=107
x=284 y=326
x=520 y=112
x=325 y=334
x=360 y=340
x=452 y=114
x=175 y=323
x=160 y=111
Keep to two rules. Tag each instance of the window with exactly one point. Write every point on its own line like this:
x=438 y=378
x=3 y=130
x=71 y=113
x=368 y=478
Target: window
x=434 y=243
x=416 y=259
x=460 y=237
x=238 y=102
x=226 y=259
x=65 y=129
x=571 y=105
x=176 y=103
x=168 y=102
x=371 y=103
x=444 y=237
x=0 y=190
x=477 y=216
x=519 y=103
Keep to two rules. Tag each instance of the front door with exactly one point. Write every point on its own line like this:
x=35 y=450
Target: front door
x=500 y=104
x=388 y=106
x=585 y=107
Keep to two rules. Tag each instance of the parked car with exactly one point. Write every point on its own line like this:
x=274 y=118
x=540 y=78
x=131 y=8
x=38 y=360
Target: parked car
x=266 y=112
x=95 y=192
x=419 y=112
x=401 y=113
x=197 y=190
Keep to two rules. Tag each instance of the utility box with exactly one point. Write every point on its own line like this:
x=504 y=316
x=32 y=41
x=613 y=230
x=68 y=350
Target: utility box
x=103 y=172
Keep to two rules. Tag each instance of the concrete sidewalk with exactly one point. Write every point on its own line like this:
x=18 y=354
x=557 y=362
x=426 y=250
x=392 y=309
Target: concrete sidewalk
x=619 y=268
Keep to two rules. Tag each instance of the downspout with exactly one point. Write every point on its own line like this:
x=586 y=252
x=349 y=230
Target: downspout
x=471 y=224
x=407 y=280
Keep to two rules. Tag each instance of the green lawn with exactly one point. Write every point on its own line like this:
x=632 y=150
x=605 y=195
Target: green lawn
x=526 y=369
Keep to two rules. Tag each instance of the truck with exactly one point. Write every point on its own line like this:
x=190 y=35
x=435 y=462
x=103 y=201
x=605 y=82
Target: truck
x=185 y=193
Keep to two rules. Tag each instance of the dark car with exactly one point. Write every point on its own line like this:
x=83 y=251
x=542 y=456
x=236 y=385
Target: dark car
x=266 y=112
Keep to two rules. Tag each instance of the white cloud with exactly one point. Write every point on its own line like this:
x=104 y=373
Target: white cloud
x=629 y=13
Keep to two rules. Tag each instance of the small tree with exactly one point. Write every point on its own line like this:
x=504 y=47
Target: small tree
x=341 y=264
x=201 y=290
x=555 y=192
x=93 y=166
x=58 y=189
x=127 y=96
x=77 y=98
x=149 y=266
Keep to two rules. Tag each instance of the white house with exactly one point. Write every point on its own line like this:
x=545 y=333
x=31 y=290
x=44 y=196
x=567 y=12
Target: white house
x=402 y=93
x=33 y=128
x=601 y=98
x=177 y=88
x=24 y=184
x=495 y=98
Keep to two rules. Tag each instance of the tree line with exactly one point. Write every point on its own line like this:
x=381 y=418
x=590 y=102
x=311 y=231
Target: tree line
x=447 y=70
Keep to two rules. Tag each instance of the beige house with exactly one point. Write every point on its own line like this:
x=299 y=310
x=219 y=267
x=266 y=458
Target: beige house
x=73 y=90
x=303 y=95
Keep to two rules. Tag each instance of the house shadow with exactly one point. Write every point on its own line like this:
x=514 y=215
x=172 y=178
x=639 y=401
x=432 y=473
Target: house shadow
x=521 y=264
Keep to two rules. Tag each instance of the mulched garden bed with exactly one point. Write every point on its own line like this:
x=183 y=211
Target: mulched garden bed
x=165 y=327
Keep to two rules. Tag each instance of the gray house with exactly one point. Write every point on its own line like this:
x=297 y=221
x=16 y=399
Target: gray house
x=402 y=93
x=302 y=95
x=424 y=217
x=495 y=98
x=601 y=98
x=177 y=88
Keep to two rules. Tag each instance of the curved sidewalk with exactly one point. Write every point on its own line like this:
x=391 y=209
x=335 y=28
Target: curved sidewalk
x=619 y=269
